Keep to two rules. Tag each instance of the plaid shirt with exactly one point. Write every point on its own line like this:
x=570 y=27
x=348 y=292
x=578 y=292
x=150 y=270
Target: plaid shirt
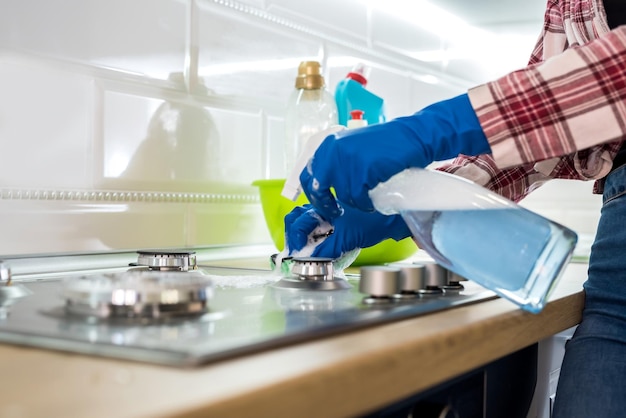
x=563 y=116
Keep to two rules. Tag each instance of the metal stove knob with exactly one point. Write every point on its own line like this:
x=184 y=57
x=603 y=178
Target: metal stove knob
x=436 y=275
x=454 y=287
x=436 y=278
x=412 y=280
x=455 y=278
x=379 y=282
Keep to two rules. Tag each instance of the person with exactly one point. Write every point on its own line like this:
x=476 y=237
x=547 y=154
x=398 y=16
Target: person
x=563 y=116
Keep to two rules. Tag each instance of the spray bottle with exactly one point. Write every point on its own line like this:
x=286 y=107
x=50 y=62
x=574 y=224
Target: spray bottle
x=311 y=109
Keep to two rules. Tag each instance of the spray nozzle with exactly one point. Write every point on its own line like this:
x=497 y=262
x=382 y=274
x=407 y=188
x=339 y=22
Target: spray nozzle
x=360 y=72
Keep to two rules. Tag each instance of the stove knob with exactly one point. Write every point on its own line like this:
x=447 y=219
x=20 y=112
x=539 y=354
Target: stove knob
x=454 y=286
x=379 y=282
x=436 y=275
x=436 y=279
x=412 y=278
x=455 y=278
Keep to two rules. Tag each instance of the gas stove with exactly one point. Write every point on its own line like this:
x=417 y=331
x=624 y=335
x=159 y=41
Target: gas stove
x=164 y=307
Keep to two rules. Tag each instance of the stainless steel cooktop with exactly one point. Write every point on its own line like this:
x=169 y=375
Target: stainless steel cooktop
x=165 y=308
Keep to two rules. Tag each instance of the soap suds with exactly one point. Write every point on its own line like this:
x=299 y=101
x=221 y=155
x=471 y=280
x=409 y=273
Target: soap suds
x=315 y=238
x=243 y=282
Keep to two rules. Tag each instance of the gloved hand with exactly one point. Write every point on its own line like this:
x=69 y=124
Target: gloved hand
x=353 y=229
x=354 y=161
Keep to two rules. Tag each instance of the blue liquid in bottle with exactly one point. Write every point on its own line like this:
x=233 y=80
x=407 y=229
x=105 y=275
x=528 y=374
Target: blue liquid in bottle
x=479 y=235
x=514 y=252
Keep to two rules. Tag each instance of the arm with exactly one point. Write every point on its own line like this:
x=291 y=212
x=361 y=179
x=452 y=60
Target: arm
x=571 y=102
x=579 y=27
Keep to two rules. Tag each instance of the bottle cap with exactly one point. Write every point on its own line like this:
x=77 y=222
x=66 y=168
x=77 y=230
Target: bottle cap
x=360 y=72
x=357 y=114
x=357 y=120
x=309 y=76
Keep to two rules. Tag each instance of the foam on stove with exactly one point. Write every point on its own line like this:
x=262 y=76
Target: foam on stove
x=244 y=282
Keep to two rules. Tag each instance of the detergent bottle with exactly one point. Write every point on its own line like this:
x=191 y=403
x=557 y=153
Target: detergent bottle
x=351 y=94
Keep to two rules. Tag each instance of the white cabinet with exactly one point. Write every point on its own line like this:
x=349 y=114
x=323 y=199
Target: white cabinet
x=550 y=357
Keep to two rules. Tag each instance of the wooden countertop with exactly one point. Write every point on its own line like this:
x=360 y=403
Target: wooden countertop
x=336 y=376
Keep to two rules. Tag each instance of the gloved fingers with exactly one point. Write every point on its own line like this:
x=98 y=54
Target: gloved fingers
x=359 y=229
x=335 y=166
x=295 y=214
x=319 y=195
x=330 y=247
x=299 y=228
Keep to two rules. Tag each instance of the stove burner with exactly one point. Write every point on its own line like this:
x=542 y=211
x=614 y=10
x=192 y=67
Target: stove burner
x=313 y=268
x=138 y=294
x=167 y=260
x=312 y=273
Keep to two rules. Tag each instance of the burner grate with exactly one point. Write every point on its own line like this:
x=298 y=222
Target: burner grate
x=138 y=294
x=167 y=260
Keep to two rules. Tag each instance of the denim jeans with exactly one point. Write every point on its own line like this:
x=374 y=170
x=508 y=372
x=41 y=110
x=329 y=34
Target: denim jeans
x=593 y=375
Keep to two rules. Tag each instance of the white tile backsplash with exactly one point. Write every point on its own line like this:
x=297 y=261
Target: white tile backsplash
x=45 y=125
x=242 y=146
x=160 y=141
x=273 y=153
x=405 y=38
x=146 y=37
x=347 y=20
x=126 y=125
x=129 y=124
x=247 y=55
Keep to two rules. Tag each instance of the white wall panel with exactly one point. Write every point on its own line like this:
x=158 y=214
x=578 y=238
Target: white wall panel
x=242 y=146
x=45 y=125
x=155 y=143
x=247 y=55
x=141 y=36
x=346 y=19
x=274 y=157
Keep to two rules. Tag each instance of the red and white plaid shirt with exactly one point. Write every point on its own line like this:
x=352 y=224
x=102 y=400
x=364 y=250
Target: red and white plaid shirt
x=563 y=116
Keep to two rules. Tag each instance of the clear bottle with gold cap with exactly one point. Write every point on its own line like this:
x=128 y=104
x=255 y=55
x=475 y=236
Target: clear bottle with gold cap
x=311 y=109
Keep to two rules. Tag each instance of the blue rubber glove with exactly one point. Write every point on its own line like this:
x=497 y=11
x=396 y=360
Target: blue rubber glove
x=353 y=229
x=354 y=161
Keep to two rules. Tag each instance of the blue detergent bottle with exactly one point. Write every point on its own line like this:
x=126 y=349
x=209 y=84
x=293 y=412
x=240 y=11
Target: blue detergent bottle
x=351 y=94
